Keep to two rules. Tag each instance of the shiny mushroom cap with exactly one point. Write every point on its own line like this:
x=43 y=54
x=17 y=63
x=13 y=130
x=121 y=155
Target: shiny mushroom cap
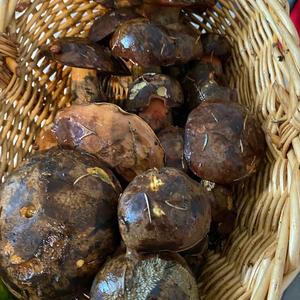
x=148 y=44
x=106 y=24
x=82 y=53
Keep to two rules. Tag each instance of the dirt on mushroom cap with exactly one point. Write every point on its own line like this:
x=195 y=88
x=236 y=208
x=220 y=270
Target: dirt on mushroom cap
x=57 y=224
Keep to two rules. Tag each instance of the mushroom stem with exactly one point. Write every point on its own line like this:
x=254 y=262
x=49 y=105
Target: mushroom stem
x=84 y=86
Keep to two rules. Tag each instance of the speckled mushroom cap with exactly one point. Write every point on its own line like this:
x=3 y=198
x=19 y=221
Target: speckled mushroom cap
x=82 y=53
x=165 y=277
x=150 y=86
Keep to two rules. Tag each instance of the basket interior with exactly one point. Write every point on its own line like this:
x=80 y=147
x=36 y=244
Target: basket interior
x=262 y=70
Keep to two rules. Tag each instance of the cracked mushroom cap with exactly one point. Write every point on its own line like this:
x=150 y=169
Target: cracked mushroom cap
x=148 y=44
x=123 y=140
x=57 y=224
x=82 y=53
x=163 y=210
x=224 y=142
x=163 y=276
x=154 y=86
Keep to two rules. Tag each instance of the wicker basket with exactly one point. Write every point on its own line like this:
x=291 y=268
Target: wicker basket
x=262 y=255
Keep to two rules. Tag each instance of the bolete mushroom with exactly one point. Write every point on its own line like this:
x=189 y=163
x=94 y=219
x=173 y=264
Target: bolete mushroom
x=85 y=58
x=57 y=224
x=216 y=44
x=82 y=53
x=123 y=140
x=106 y=24
x=163 y=276
x=152 y=96
x=148 y=44
x=163 y=210
x=202 y=83
x=224 y=142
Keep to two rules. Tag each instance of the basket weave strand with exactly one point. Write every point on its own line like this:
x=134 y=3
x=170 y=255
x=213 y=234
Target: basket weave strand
x=261 y=257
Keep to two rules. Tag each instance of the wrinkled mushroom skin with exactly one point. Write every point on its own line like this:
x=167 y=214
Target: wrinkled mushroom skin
x=172 y=141
x=159 y=277
x=224 y=142
x=163 y=211
x=107 y=24
x=215 y=44
x=122 y=140
x=148 y=44
x=82 y=53
x=57 y=224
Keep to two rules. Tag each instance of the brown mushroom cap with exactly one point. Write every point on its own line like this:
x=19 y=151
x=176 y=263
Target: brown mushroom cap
x=82 y=53
x=216 y=44
x=224 y=142
x=123 y=140
x=148 y=44
x=57 y=223
x=163 y=276
x=154 y=86
x=106 y=24
x=172 y=141
x=201 y=83
x=163 y=210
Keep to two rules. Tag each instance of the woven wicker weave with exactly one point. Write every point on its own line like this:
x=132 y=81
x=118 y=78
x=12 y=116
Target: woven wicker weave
x=262 y=255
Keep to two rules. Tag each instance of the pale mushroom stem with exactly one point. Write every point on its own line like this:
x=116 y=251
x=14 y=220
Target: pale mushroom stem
x=84 y=86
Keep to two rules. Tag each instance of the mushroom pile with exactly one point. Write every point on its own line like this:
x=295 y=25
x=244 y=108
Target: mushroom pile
x=125 y=202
